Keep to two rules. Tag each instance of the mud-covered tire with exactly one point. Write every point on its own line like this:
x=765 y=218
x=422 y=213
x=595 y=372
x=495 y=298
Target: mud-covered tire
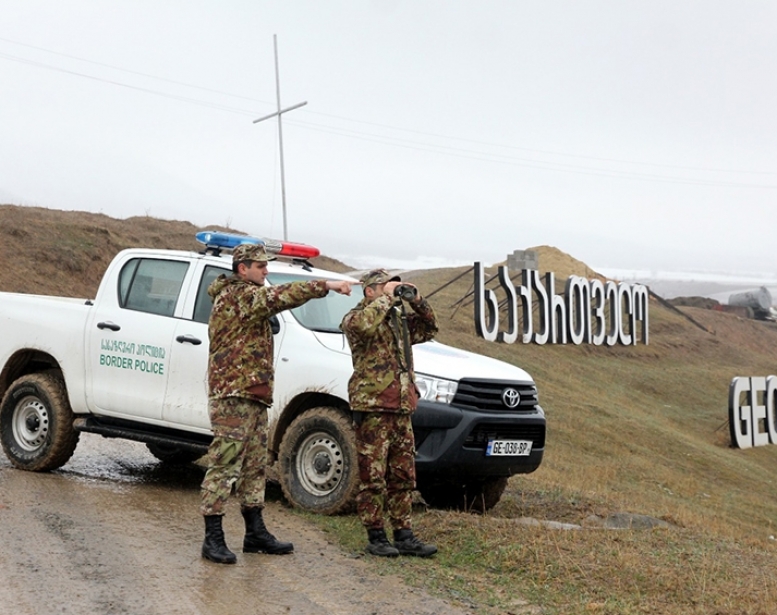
x=171 y=454
x=476 y=495
x=36 y=423
x=318 y=468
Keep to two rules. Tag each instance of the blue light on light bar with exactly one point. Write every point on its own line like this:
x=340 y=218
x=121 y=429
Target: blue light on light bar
x=217 y=239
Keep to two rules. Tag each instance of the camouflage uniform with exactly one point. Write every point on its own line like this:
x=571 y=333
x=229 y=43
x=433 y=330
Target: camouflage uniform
x=240 y=380
x=380 y=334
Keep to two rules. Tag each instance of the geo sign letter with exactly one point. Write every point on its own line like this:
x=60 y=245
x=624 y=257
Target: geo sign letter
x=751 y=411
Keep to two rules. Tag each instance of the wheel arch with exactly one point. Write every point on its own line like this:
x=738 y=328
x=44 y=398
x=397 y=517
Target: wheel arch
x=24 y=362
x=298 y=405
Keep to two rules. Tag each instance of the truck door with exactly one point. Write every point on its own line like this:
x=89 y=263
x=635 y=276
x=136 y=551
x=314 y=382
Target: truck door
x=130 y=339
x=186 y=398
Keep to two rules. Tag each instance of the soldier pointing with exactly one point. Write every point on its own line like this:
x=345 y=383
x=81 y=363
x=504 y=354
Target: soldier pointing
x=240 y=391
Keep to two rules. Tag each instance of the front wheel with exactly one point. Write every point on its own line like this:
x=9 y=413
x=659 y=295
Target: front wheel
x=474 y=495
x=317 y=462
x=36 y=423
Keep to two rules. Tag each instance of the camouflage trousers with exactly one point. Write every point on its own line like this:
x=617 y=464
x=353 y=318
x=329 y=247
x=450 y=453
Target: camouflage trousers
x=237 y=456
x=386 y=454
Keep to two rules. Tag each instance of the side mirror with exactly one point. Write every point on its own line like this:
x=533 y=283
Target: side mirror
x=275 y=325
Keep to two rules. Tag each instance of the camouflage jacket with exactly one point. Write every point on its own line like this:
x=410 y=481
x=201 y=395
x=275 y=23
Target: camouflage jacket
x=380 y=339
x=240 y=361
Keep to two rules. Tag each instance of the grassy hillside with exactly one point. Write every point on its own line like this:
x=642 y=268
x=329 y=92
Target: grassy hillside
x=640 y=429
x=646 y=426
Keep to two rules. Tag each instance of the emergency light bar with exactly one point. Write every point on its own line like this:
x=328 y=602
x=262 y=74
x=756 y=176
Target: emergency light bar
x=229 y=241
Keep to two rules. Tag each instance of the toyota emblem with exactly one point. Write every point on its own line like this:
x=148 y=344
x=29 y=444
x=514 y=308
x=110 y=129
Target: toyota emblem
x=511 y=398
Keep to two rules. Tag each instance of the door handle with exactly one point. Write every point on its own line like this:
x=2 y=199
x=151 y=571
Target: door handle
x=190 y=339
x=108 y=325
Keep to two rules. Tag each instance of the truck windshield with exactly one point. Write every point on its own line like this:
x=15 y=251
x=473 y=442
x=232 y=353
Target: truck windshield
x=320 y=314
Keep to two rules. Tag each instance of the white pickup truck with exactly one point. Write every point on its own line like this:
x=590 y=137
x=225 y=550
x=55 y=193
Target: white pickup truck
x=131 y=363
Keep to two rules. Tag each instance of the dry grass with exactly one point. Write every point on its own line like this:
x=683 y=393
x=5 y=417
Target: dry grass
x=45 y=251
x=496 y=564
x=639 y=429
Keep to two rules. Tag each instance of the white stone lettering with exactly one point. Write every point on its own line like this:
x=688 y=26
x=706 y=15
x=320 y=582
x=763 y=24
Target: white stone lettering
x=751 y=411
x=589 y=312
x=486 y=308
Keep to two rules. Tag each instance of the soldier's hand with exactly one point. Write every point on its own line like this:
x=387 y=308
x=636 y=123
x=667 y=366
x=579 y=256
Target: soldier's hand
x=417 y=293
x=388 y=287
x=339 y=286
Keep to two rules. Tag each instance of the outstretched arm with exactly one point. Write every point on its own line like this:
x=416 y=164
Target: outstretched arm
x=339 y=286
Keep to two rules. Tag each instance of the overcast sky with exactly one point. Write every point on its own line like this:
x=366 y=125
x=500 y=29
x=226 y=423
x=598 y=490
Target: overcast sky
x=631 y=135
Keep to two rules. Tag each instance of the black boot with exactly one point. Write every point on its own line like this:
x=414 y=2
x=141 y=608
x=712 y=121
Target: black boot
x=407 y=544
x=258 y=539
x=213 y=547
x=379 y=545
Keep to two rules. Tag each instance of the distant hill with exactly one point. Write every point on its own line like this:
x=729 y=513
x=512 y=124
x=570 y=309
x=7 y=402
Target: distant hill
x=720 y=291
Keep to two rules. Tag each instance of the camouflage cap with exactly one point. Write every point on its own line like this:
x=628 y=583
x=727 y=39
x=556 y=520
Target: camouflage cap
x=378 y=276
x=250 y=252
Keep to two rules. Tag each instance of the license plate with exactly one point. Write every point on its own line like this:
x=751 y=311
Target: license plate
x=508 y=448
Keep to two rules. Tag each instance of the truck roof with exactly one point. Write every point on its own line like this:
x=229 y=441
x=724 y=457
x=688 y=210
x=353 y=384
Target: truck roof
x=280 y=265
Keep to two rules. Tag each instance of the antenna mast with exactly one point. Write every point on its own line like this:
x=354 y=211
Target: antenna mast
x=278 y=113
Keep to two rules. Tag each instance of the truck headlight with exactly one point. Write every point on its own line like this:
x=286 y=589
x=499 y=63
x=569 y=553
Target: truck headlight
x=436 y=389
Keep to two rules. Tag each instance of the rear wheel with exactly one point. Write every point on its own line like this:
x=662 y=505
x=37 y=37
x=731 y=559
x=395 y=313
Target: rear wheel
x=318 y=469
x=36 y=423
x=474 y=495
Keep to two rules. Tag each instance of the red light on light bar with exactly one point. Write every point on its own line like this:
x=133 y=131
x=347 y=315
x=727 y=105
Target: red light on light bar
x=298 y=250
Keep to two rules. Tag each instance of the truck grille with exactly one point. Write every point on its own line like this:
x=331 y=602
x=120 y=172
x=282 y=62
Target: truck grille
x=479 y=437
x=490 y=395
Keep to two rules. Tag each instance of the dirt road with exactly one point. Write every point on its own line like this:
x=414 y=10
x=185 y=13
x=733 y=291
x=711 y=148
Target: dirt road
x=116 y=533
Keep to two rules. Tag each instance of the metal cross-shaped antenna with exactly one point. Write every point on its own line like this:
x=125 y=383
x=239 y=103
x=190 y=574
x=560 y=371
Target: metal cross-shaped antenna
x=279 y=112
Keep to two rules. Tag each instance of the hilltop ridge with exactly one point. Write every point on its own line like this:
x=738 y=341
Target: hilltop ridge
x=66 y=252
